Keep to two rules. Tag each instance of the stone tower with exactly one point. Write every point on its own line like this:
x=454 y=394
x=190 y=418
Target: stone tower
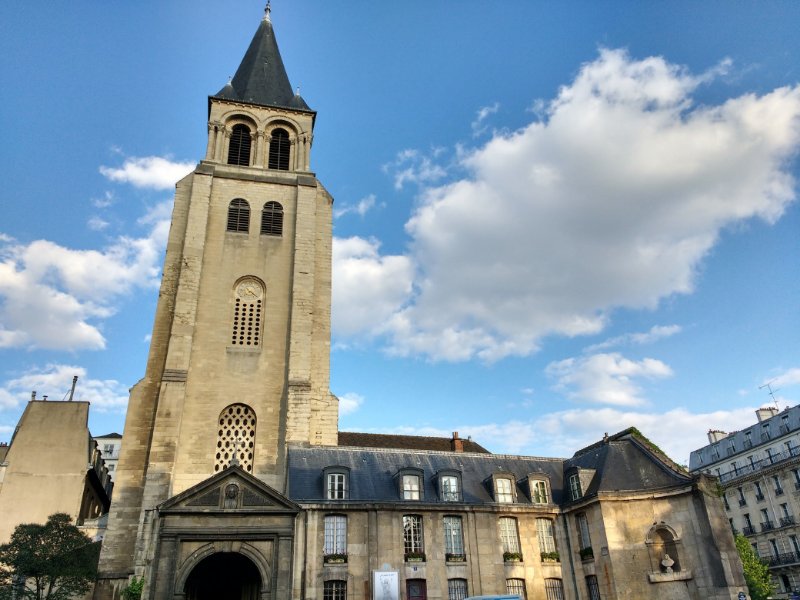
x=239 y=357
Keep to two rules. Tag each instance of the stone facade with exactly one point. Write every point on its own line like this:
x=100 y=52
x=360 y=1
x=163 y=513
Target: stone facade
x=759 y=473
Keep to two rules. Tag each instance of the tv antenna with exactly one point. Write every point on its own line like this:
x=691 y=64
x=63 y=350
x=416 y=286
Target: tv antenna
x=768 y=385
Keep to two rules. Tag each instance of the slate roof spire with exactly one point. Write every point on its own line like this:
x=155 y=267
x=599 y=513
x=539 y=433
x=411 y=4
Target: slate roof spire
x=261 y=77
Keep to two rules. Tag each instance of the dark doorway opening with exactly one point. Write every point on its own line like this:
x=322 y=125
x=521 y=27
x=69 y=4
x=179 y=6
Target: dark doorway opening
x=224 y=576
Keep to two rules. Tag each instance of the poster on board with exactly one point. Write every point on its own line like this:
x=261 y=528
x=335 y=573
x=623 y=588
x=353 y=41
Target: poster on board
x=385 y=585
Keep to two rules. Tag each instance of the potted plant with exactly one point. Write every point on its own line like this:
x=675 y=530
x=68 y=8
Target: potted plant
x=512 y=556
x=334 y=558
x=415 y=557
x=550 y=557
x=450 y=557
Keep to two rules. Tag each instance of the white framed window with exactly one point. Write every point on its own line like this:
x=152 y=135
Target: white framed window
x=450 y=488
x=539 y=493
x=336 y=486
x=503 y=490
x=575 y=491
x=410 y=487
x=335 y=535
x=554 y=589
x=546 y=534
x=516 y=587
x=456 y=589
x=413 y=542
x=509 y=534
x=583 y=530
x=453 y=536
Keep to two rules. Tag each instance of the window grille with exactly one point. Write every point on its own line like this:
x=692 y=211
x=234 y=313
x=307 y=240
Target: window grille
x=554 y=589
x=547 y=540
x=334 y=590
x=236 y=436
x=453 y=536
x=272 y=219
x=509 y=536
x=239 y=146
x=456 y=589
x=594 y=589
x=279 y=150
x=247 y=308
x=335 y=534
x=239 y=216
x=516 y=587
x=412 y=534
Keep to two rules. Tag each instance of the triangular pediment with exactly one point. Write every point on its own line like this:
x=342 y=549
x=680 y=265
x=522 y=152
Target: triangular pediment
x=232 y=490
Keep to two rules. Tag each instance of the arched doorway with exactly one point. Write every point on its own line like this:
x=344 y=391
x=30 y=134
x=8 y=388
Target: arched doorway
x=223 y=576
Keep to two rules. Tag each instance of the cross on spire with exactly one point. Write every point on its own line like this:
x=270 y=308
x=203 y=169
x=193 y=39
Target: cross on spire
x=267 y=10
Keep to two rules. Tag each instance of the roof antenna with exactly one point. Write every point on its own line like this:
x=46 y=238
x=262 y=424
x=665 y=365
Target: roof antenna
x=768 y=385
x=267 y=10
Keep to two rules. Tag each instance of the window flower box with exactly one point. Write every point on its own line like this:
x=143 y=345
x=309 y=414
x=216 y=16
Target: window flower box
x=512 y=556
x=455 y=557
x=587 y=553
x=334 y=559
x=551 y=557
x=415 y=557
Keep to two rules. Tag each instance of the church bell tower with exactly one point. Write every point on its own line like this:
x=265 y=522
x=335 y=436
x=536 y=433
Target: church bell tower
x=239 y=358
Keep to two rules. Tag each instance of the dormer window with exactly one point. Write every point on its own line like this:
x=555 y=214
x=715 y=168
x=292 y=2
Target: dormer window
x=450 y=486
x=540 y=493
x=575 y=491
x=503 y=490
x=336 y=483
x=410 y=483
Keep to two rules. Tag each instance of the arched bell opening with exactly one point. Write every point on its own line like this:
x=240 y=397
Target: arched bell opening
x=224 y=576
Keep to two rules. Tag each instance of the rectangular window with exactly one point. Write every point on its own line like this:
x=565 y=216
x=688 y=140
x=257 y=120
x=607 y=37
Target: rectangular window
x=410 y=487
x=450 y=488
x=545 y=531
x=412 y=535
x=583 y=529
x=759 y=493
x=453 y=536
x=503 y=491
x=795 y=544
x=778 y=487
x=335 y=535
x=108 y=449
x=594 y=589
x=539 y=495
x=516 y=587
x=774 y=545
x=456 y=589
x=554 y=589
x=337 y=486
x=574 y=487
x=334 y=590
x=509 y=536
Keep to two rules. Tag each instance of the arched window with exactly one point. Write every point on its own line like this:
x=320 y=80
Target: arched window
x=279 y=150
x=247 y=306
x=239 y=147
x=272 y=219
x=239 y=215
x=236 y=436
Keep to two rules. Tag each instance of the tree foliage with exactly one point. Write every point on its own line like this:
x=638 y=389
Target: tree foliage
x=133 y=591
x=756 y=573
x=54 y=561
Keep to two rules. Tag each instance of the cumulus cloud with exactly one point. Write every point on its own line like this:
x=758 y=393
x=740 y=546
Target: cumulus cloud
x=156 y=172
x=787 y=378
x=361 y=208
x=55 y=380
x=612 y=199
x=412 y=166
x=350 y=403
x=657 y=332
x=367 y=287
x=52 y=297
x=605 y=378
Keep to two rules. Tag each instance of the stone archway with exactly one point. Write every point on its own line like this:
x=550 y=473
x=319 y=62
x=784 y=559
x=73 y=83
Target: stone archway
x=223 y=576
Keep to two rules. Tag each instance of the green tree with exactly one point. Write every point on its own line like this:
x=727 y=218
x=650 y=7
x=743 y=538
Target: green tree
x=756 y=573
x=54 y=561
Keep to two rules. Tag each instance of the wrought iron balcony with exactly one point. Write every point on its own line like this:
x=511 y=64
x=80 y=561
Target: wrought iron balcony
x=744 y=470
x=786 y=521
x=748 y=530
x=767 y=525
x=785 y=558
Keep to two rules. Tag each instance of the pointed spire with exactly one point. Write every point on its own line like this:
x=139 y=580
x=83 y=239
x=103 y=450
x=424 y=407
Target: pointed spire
x=261 y=77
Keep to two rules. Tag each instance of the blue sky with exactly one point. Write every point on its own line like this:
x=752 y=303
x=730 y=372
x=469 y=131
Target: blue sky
x=553 y=220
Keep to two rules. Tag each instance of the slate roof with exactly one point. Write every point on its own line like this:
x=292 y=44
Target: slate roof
x=109 y=435
x=406 y=442
x=261 y=77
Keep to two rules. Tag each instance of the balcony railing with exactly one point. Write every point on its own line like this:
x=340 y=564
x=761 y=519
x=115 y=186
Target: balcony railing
x=758 y=465
x=786 y=521
x=748 y=530
x=759 y=497
x=767 y=525
x=785 y=558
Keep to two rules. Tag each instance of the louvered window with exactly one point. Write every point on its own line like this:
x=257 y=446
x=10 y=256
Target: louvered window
x=236 y=436
x=279 y=150
x=239 y=215
x=272 y=219
x=239 y=147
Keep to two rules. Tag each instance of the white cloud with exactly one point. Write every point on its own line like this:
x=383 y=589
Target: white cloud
x=350 y=403
x=104 y=202
x=149 y=172
x=367 y=287
x=479 y=124
x=605 y=378
x=411 y=166
x=613 y=200
x=787 y=378
x=96 y=224
x=361 y=208
x=55 y=380
x=657 y=332
x=52 y=297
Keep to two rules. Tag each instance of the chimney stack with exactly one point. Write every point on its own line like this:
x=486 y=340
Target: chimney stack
x=766 y=412
x=456 y=444
x=715 y=435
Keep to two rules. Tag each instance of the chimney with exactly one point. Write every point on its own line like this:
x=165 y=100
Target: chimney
x=766 y=412
x=456 y=444
x=715 y=435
